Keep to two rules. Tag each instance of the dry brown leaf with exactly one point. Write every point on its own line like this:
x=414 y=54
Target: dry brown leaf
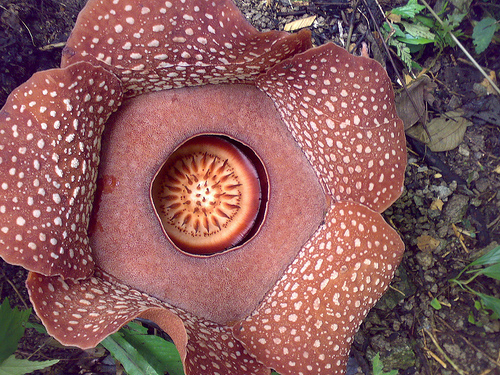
x=446 y=131
x=299 y=3
x=299 y=24
x=437 y=205
x=485 y=83
x=427 y=243
x=394 y=17
x=420 y=92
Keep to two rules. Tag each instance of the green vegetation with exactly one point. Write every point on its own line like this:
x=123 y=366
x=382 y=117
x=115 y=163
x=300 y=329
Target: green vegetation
x=436 y=304
x=378 y=367
x=483 y=33
x=12 y=326
x=140 y=353
x=412 y=27
x=489 y=266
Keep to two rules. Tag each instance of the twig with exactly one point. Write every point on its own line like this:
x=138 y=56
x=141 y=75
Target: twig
x=387 y=51
x=52 y=46
x=478 y=67
x=493 y=361
x=24 y=24
x=351 y=27
x=434 y=340
x=15 y=290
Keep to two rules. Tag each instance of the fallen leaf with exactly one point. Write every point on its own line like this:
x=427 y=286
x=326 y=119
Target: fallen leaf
x=446 y=131
x=497 y=169
x=427 y=243
x=437 y=205
x=394 y=17
x=299 y=24
x=485 y=83
x=420 y=91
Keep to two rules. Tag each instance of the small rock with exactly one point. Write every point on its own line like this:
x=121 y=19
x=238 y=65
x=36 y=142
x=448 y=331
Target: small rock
x=454 y=350
x=443 y=192
x=425 y=259
x=474 y=176
x=456 y=208
x=476 y=202
x=455 y=102
x=418 y=201
x=401 y=356
x=482 y=185
x=463 y=149
x=479 y=89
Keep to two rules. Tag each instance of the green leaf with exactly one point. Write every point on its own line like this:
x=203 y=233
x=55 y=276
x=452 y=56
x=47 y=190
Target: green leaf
x=139 y=328
x=15 y=366
x=455 y=19
x=11 y=328
x=36 y=326
x=471 y=318
x=483 y=33
x=143 y=354
x=408 y=39
x=378 y=367
x=490 y=303
x=403 y=52
x=478 y=306
x=395 y=27
x=436 y=304
x=409 y=10
x=492 y=256
x=492 y=271
x=418 y=31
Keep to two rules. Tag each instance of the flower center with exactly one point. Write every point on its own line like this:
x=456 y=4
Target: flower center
x=208 y=195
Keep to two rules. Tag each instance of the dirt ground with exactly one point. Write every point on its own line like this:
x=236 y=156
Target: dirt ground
x=411 y=336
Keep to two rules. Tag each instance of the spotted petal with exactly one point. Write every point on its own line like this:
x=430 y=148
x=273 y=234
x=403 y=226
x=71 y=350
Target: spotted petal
x=156 y=45
x=50 y=131
x=307 y=322
x=340 y=109
x=82 y=313
x=212 y=349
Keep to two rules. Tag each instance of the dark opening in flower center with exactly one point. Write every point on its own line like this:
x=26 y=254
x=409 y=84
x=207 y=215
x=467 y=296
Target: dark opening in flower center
x=208 y=195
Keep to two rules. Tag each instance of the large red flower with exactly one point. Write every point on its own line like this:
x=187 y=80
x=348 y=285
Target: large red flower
x=243 y=216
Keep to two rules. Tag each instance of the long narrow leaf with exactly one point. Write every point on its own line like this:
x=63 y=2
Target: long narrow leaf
x=492 y=271
x=490 y=303
x=127 y=355
x=493 y=256
x=16 y=366
x=160 y=354
x=143 y=354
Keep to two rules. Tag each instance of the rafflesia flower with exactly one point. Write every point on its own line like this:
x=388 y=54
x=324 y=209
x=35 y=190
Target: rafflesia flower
x=241 y=215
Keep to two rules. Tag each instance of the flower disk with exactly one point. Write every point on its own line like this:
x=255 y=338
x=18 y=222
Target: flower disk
x=207 y=195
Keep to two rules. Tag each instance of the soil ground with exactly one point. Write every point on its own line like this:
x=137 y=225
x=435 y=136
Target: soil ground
x=448 y=215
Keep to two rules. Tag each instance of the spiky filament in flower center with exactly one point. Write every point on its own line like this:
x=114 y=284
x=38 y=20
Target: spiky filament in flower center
x=207 y=195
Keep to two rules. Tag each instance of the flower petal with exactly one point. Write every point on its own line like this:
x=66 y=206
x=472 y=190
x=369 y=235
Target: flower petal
x=307 y=322
x=212 y=349
x=156 y=45
x=340 y=109
x=50 y=131
x=82 y=313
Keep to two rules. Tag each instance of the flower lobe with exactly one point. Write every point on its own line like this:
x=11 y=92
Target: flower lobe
x=50 y=143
